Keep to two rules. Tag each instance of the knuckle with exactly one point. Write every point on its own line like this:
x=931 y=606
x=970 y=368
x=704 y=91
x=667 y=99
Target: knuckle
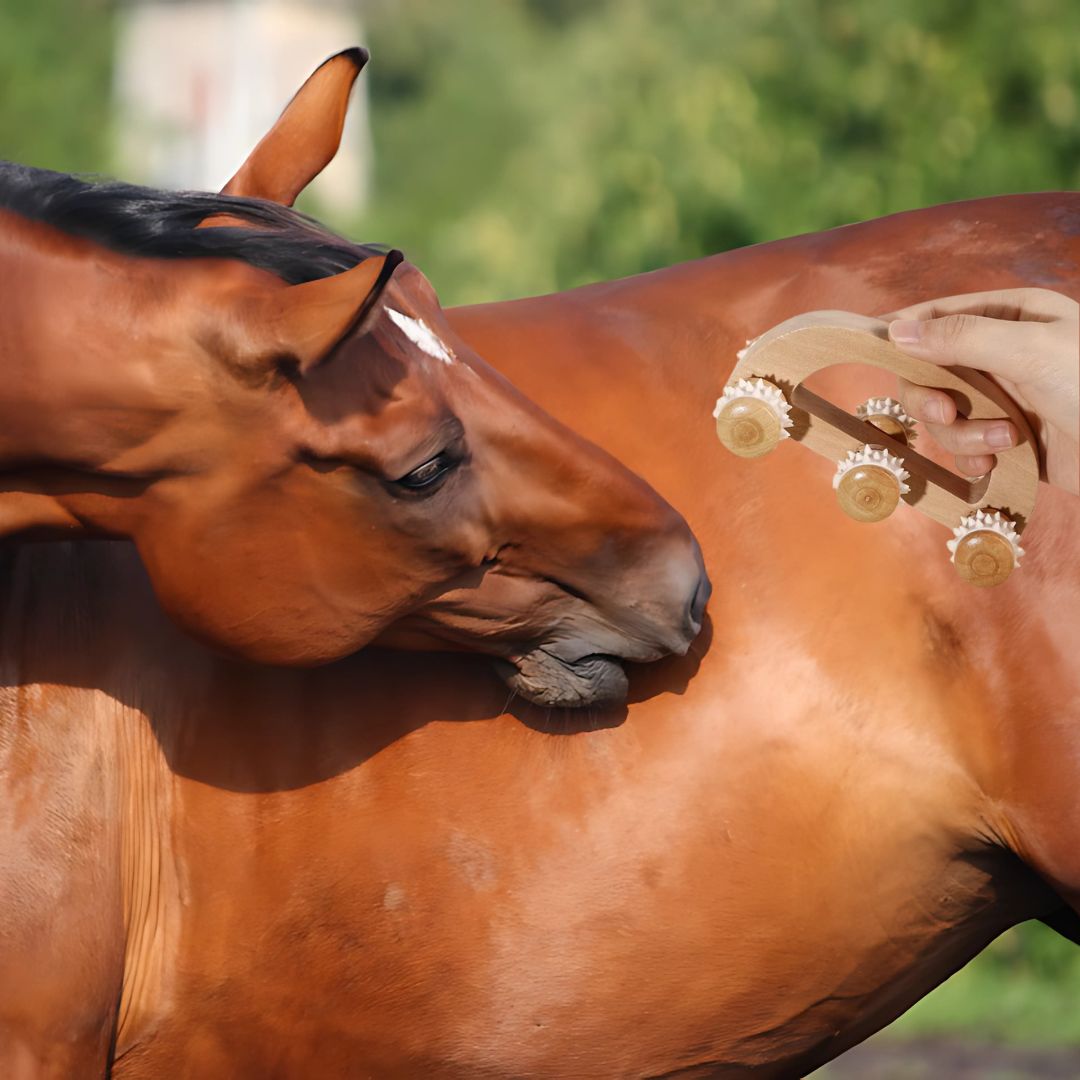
x=907 y=394
x=954 y=329
x=970 y=440
x=975 y=464
x=914 y=395
x=1049 y=300
x=1038 y=356
x=945 y=436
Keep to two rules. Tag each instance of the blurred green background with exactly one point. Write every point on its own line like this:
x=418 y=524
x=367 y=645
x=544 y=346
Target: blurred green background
x=530 y=145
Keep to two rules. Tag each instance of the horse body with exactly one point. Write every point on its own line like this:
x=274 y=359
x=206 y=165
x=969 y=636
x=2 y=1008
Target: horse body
x=863 y=773
x=368 y=867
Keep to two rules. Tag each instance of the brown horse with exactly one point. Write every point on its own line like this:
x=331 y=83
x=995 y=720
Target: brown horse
x=210 y=869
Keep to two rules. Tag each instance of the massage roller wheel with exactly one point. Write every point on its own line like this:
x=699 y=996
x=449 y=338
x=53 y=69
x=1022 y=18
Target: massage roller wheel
x=888 y=415
x=985 y=548
x=752 y=416
x=869 y=482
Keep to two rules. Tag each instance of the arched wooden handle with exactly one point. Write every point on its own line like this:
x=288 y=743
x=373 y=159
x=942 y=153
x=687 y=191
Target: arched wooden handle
x=790 y=352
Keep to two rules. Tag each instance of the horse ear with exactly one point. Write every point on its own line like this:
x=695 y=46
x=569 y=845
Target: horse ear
x=306 y=136
x=307 y=321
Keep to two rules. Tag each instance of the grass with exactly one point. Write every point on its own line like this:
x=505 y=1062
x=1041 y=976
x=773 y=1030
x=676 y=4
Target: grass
x=1024 y=989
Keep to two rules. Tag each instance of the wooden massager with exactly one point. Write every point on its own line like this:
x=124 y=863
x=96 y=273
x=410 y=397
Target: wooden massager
x=765 y=402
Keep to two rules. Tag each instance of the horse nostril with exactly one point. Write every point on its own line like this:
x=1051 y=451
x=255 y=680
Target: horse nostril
x=699 y=600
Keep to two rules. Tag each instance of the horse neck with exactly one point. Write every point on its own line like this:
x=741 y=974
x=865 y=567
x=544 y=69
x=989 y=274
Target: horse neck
x=77 y=402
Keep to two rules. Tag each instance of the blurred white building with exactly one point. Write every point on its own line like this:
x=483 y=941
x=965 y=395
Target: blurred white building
x=199 y=82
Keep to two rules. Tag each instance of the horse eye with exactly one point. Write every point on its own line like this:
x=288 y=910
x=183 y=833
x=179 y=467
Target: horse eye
x=428 y=474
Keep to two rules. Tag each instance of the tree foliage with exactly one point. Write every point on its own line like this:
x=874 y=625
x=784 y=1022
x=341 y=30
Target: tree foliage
x=529 y=145
x=55 y=70
x=538 y=144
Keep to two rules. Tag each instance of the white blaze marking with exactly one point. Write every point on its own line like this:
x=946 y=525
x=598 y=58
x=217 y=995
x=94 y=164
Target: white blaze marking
x=421 y=335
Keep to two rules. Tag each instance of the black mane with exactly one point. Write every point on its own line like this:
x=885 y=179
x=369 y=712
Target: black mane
x=161 y=224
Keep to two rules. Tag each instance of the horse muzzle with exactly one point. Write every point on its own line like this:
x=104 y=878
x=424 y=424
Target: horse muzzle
x=587 y=669
x=543 y=678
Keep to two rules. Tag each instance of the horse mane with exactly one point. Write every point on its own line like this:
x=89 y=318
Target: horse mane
x=143 y=221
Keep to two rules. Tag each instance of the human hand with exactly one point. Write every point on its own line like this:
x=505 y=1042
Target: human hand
x=1028 y=341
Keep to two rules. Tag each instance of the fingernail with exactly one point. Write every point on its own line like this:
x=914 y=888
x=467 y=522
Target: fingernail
x=998 y=436
x=905 y=331
x=934 y=411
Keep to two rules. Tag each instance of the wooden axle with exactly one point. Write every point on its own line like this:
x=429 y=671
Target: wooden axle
x=766 y=397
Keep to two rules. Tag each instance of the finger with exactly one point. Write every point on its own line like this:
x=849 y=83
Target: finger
x=999 y=346
x=977 y=465
x=974 y=438
x=926 y=404
x=1028 y=304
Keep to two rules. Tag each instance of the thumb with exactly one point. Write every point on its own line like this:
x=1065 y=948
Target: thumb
x=999 y=346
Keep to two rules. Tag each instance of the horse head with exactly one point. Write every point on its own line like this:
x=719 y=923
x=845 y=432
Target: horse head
x=309 y=460
x=364 y=476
